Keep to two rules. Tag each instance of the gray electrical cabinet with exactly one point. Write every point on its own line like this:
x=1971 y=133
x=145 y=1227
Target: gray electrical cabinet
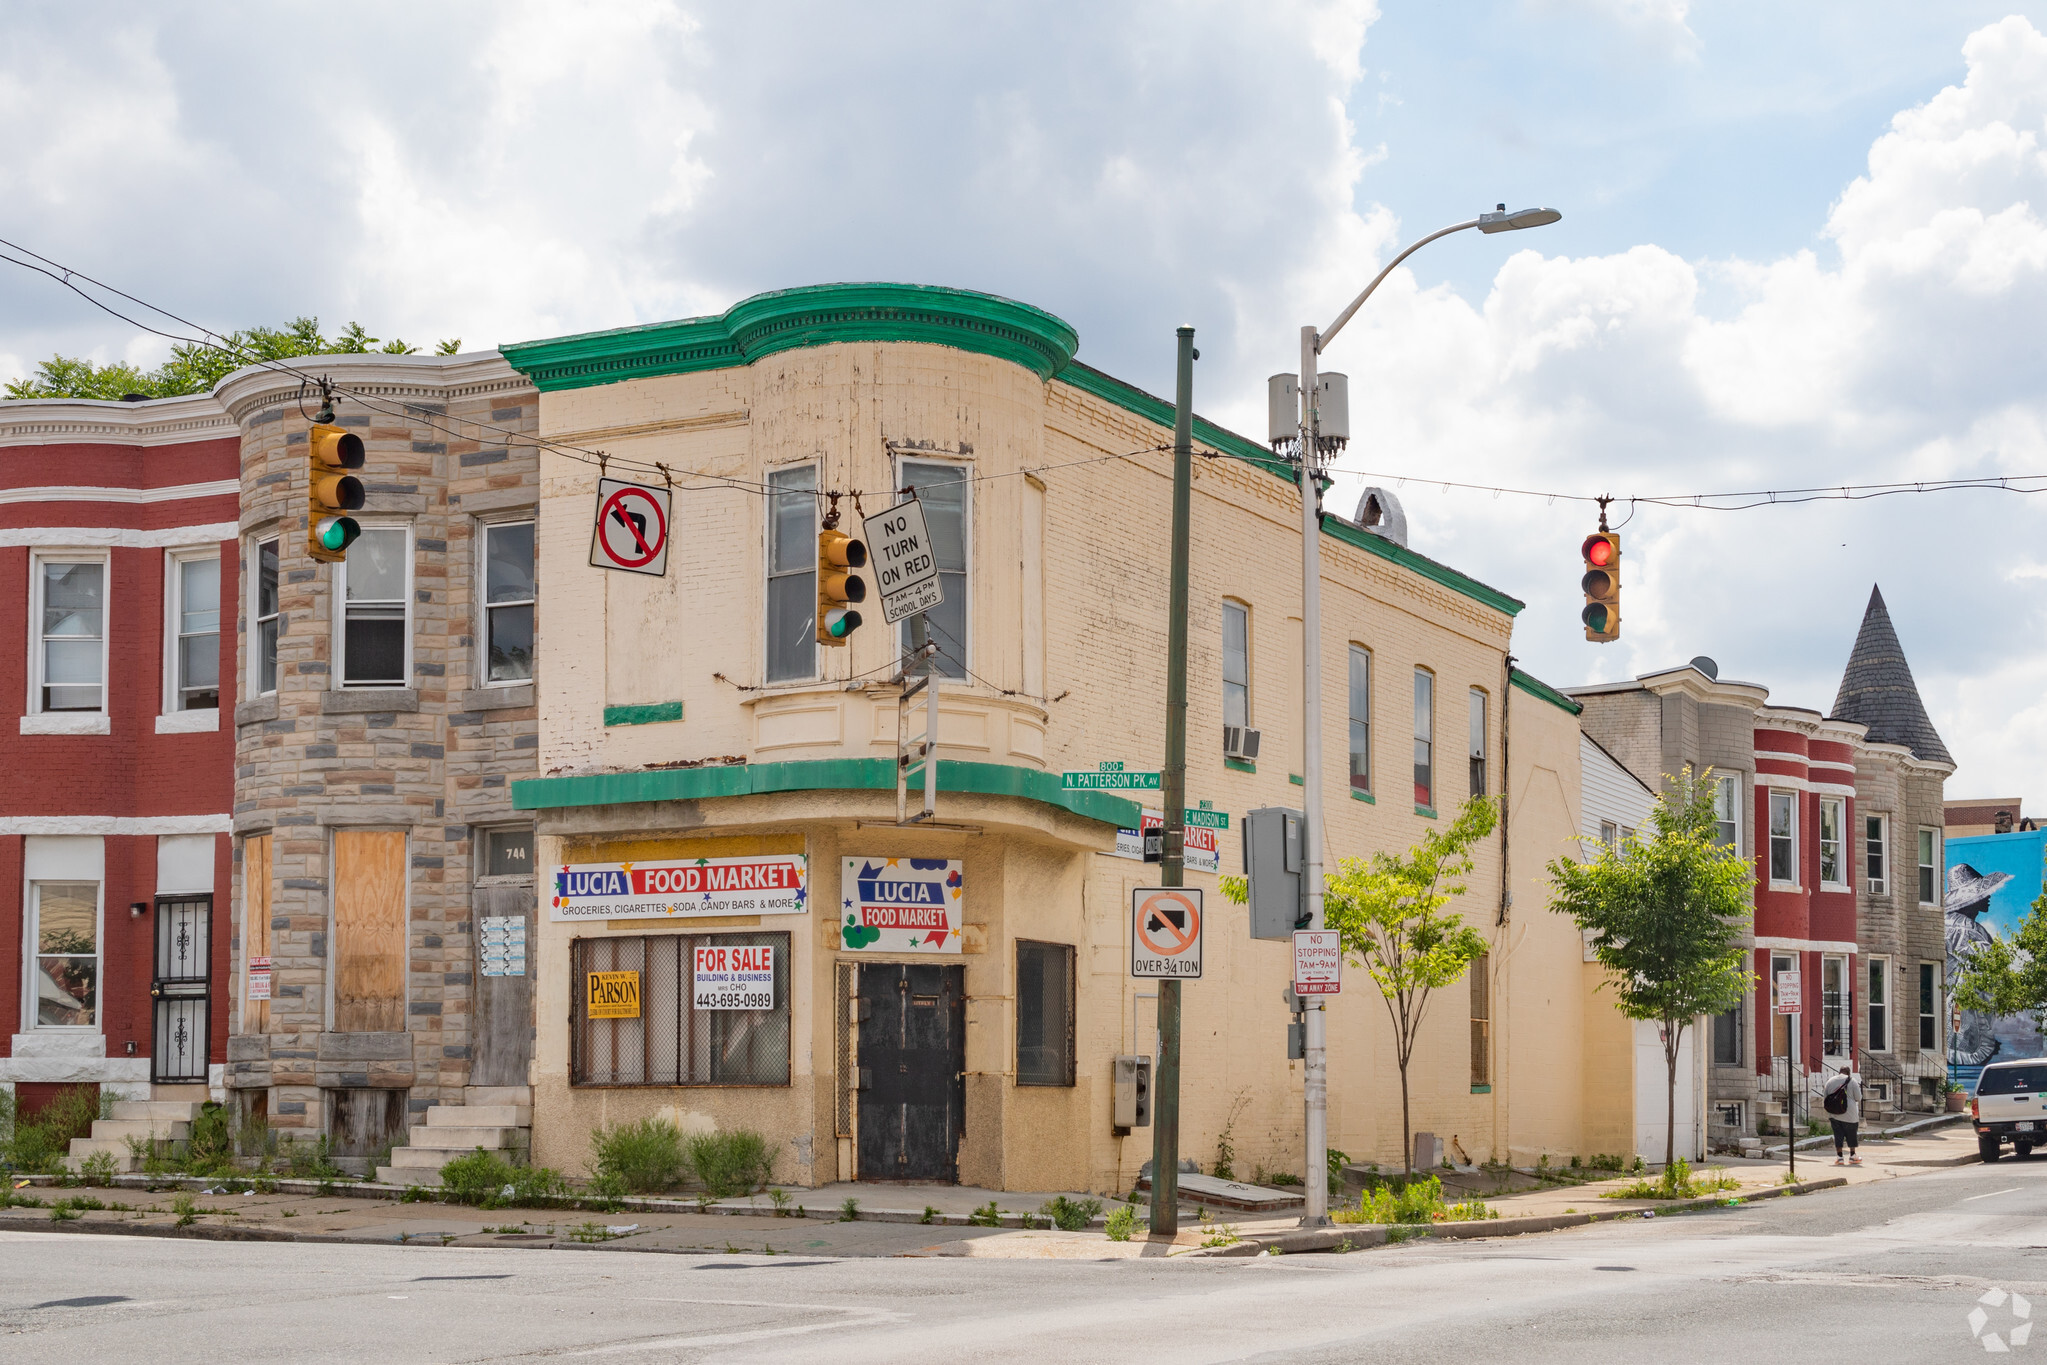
x=1272 y=862
x=1130 y=1092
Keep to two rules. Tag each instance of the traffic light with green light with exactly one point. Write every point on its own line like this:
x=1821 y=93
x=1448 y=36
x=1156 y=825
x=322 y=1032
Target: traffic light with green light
x=838 y=587
x=331 y=491
x=1602 y=584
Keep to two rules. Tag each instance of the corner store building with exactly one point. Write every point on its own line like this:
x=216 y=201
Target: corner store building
x=684 y=718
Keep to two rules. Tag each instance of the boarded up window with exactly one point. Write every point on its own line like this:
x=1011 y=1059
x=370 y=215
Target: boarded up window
x=256 y=930
x=369 y=931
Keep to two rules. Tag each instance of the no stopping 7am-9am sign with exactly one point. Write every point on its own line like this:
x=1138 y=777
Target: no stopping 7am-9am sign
x=1165 y=933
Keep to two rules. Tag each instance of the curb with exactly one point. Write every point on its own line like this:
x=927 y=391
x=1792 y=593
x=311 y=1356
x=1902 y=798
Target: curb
x=1361 y=1235
x=1819 y=1140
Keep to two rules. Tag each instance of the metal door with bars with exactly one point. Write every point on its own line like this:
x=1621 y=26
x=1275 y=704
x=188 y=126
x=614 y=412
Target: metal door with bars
x=912 y=1078
x=180 y=989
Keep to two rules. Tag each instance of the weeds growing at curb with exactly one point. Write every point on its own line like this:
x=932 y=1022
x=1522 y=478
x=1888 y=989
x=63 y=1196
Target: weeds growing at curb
x=1676 y=1182
x=642 y=1157
x=1122 y=1223
x=930 y=1212
x=734 y=1163
x=987 y=1216
x=1070 y=1215
x=849 y=1210
x=186 y=1208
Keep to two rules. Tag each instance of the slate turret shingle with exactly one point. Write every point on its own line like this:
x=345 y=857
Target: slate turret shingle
x=1877 y=689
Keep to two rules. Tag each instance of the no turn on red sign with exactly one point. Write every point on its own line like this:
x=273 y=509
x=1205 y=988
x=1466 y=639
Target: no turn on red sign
x=632 y=528
x=1165 y=933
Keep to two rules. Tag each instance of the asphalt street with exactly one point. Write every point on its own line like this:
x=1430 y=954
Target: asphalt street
x=1890 y=1271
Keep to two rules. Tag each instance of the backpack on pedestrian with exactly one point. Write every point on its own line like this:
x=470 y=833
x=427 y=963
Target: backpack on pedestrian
x=1836 y=1101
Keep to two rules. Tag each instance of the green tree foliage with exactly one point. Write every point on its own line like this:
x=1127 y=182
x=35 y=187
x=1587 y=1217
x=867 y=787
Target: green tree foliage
x=1665 y=916
x=2009 y=977
x=1392 y=913
x=196 y=368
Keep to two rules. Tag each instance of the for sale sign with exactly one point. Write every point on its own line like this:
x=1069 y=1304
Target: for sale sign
x=259 y=978
x=775 y=884
x=901 y=905
x=730 y=978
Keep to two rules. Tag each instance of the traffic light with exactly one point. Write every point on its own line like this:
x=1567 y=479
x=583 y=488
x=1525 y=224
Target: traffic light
x=1602 y=584
x=330 y=492
x=838 y=554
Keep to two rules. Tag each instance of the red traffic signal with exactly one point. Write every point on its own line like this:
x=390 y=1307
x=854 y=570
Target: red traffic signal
x=1602 y=586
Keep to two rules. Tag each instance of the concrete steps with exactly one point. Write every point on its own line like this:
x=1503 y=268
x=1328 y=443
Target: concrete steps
x=498 y=1119
x=142 y=1120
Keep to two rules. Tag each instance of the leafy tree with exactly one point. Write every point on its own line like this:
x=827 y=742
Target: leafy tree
x=2008 y=977
x=1391 y=912
x=1665 y=915
x=196 y=368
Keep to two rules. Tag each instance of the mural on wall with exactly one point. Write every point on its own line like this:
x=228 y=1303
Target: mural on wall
x=1992 y=882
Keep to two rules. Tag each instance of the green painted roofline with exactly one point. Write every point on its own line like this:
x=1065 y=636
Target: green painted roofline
x=814 y=315
x=1536 y=687
x=828 y=774
x=986 y=324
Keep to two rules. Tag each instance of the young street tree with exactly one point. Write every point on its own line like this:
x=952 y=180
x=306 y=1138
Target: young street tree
x=2008 y=977
x=1665 y=915
x=1391 y=916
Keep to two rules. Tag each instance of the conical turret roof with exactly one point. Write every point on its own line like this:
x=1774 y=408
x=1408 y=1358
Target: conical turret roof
x=1877 y=688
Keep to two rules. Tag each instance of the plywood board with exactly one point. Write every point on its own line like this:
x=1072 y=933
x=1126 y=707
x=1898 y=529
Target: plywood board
x=369 y=931
x=255 y=926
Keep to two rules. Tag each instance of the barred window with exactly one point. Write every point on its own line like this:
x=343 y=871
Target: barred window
x=670 y=1041
x=1044 y=1013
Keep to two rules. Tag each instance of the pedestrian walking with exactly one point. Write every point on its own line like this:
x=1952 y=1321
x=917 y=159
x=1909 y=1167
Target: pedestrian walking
x=1841 y=1097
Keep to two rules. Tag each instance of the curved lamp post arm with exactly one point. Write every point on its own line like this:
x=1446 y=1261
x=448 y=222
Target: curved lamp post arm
x=1329 y=332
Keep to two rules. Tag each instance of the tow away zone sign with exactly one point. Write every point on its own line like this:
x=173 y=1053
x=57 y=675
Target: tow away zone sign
x=1165 y=933
x=632 y=528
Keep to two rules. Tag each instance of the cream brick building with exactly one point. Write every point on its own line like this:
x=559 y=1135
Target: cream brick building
x=686 y=718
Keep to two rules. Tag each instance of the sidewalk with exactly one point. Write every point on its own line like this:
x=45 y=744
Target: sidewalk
x=887 y=1220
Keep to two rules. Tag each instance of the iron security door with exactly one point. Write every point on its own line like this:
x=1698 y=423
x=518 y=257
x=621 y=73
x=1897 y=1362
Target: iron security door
x=913 y=1060
x=181 y=989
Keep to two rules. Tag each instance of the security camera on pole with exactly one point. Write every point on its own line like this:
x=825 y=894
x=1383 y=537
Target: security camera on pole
x=1325 y=425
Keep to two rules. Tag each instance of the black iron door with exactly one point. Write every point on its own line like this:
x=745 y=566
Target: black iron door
x=913 y=1061
x=181 y=989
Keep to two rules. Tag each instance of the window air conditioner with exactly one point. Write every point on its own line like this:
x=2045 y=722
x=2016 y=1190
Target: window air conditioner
x=1240 y=742
x=1876 y=886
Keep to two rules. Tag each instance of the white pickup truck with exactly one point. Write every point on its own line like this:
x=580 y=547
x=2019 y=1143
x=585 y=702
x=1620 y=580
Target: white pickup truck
x=2011 y=1106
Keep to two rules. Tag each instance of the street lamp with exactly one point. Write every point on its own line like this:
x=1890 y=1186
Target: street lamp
x=1316 y=1086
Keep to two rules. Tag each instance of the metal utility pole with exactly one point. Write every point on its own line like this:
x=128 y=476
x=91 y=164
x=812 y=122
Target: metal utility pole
x=1316 y=1086
x=1165 y=1126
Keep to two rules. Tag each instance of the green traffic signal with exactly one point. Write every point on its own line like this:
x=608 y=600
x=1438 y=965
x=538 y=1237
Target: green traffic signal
x=336 y=533
x=1595 y=617
x=839 y=622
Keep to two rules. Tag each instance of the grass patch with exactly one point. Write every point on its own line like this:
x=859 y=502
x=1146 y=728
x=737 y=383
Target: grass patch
x=1677 y=1182
x=987 y=1216
x=641 y=1157
x=483 y=1180
x=39 y=1145
x=734 y=1163
x=1070 y=1215
x=186 y=1208
x=1412 y=1201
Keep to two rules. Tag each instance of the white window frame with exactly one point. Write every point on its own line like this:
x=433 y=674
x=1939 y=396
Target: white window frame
x=37 y=559
x=339 y=625
x=1229 y=605
x=1721 y=784
x=1842 y=880
x=1920 y=1016
x=1610 y=836
x=1928 y=838
x=1879 y=964
x=1480 y=711
x=1356 y=653
x=1878 y=886
x=174 y=561
x=1770 y=837
x=32 y=924
x=252 y=583
x=966 y=646
x=1435 y=768
x=768 y=574
x=522 y=517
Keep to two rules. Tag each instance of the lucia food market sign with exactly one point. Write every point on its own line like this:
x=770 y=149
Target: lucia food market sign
x=901 y=905
x=774 y=884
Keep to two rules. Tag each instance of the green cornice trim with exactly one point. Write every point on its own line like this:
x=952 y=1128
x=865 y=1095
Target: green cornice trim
x=831 y=774
x=653 y=713
x=1154 y=409
x=815 y=315
x=1536 y=687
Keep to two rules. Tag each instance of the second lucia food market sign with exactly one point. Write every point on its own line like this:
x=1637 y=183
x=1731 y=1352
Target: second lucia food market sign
x=775 y=884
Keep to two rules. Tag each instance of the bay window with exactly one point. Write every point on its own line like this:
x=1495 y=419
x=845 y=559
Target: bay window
x=376 y=624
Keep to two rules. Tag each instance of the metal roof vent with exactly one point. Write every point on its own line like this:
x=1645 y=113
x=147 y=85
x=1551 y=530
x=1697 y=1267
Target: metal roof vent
x=1380 y=513
x=1707 y=667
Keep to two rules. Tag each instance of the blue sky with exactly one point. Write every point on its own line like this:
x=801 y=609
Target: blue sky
x=1800 y=247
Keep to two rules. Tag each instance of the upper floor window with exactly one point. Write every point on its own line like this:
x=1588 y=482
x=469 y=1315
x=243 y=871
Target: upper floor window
x=1727 y=811
x=942 y=488
x=1833 y=859
x=1876 y=840
x=508 y=601
x=1929 y=878
x=376 y=624
x=194 y=656
x=71 y=643
x=1784 y=837
x=1477 y=742
x=269 y=619
x=1424 y=738
x=1360 y=718
x=1236 y=664
x=1610 y=836
x=792 y=574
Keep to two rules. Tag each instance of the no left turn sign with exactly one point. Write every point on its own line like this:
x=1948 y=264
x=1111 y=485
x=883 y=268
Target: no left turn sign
x=1165 y=933
x=632 y=528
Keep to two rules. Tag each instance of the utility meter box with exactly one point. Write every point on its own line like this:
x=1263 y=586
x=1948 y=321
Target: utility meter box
x=1272 y=861
x=1130 y=1089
